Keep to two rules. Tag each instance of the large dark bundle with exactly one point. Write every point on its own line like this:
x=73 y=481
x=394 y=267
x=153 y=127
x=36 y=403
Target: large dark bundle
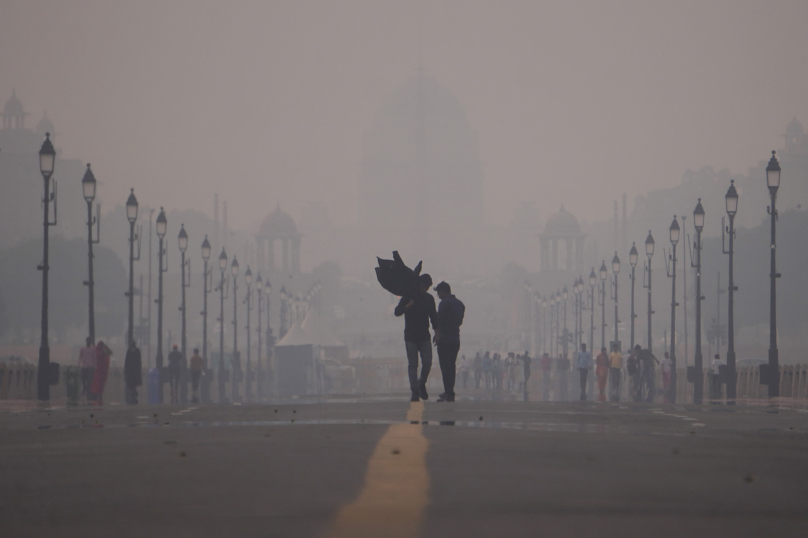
x=396 y=277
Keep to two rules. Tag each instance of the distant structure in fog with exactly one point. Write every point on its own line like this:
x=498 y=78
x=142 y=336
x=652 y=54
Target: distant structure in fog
x=562 y=227
x=278 y=244
x=421 y=181
x=21 y=181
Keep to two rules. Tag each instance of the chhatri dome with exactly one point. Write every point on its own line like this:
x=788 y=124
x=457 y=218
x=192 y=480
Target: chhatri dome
x=13 y=113
x=278 y=244
x=562 y=227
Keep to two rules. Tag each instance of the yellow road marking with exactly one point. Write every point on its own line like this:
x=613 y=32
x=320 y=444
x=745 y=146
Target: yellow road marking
x=396 y=490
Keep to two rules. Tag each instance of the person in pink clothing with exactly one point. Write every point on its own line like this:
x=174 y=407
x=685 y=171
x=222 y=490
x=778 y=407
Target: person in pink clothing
x=102 y=355
x=87 y=367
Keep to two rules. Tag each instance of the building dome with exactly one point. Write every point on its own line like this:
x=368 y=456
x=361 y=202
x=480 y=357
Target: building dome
x=13 y=106
x=794 y=128
x=45 y=125
x=278 y=224
x=562 y=224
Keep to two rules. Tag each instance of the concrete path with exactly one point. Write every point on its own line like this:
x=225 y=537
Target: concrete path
x=386 y=467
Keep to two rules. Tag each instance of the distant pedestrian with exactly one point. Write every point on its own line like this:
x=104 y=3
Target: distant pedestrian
x=496 y=371
x=648 y=362
x=487 y=370
x=477 y=366
x=197 y=368
x=526 y=360
x=615 y=372
x=87 y=367
x=602 y=373
x=102 y=360
x=665 y=367
x=546 y=365
x=563 y=368
x=715 y=378
x=418 y=310
x=451 y=311
x=132 y=373
x=583 y=362
x=634 y=369
x=174 y=372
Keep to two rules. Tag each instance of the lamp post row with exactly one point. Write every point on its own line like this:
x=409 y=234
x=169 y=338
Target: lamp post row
x=770 y=374
x=47 y=157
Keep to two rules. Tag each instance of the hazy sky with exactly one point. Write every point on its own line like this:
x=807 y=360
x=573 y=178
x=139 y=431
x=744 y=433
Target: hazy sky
x=267 y=102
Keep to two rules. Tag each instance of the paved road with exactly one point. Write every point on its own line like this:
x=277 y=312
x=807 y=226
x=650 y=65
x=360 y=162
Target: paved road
x=385 y=467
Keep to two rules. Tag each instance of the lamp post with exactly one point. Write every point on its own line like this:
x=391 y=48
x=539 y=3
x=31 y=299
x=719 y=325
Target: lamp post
x=270 y=341
x=236 y=360
x=259 y=289
x=579 y=319
x=161 y=225
x=698 y=382
x=206 y=283
x=248 y=376
x=47 y=158
x=528 y=314
x=553 y=347
x=674 y=237
x=602 y=302
x=615 y=270
x=632 y=260
x=221 y=289
x=182 y=243
x=773 y=182
x=649 y=251
x=185 y=266
x=731 y=200
x=565 y=337
x=88 y=185
x=592 y=283
x=131 y=216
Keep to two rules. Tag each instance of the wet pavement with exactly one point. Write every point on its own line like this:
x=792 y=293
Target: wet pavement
x=379 y=466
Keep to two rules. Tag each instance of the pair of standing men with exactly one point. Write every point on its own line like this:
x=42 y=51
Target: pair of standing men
x=418 y=311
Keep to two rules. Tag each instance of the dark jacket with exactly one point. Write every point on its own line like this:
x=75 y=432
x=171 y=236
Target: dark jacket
x=418 y=316
x=132 y=368
x=175 y=360
x=450 y=317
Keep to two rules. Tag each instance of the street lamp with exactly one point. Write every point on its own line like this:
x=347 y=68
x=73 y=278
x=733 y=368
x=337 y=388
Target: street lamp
x=731 y=200
x=185 y=266
x=270 y=341
x=632 y=260
x=161 y=225
x=773 y=182
x=207 y=282
x=236 y=360
x=565 y=334
x=47 y=159
x=593 y=280
x=259 y=288
x=88 y=185
x=248 y=380
x=615 y=270
x=674 y=237
x=603 y=273
x=649 y=251
x=221 y=289
x=131 y=216
x=698 y=366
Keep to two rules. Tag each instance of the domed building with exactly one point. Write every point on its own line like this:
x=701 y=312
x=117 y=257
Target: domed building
x=562 y=226
x=421 y=181
x=278 y=239
x=14 y=113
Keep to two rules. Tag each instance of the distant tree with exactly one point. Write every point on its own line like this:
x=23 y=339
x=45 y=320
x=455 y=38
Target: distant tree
x=21 y=285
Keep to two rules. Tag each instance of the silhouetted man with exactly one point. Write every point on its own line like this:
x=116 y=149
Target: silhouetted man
x=418 y=309
x=447 y=337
